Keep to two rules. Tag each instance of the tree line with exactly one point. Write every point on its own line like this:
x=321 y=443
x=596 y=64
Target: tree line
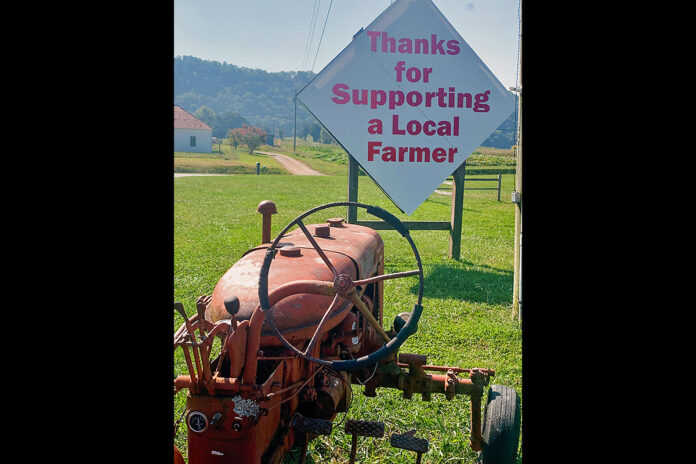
x=226 y=96
x=223 y=123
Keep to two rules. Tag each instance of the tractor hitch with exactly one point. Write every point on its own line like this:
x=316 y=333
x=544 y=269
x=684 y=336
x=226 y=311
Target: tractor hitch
x=409 y=375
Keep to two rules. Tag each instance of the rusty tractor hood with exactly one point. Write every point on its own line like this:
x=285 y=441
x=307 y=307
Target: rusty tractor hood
x=352 y=249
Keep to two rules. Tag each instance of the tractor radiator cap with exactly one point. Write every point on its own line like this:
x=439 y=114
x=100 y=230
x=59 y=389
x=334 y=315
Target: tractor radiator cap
x=290 y=251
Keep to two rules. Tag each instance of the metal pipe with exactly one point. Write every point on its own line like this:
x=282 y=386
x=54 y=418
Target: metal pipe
x=358 y=303
x=428 y=367
x=476 y=422
x=353 y=448
x=267 y=209
x=252 y=346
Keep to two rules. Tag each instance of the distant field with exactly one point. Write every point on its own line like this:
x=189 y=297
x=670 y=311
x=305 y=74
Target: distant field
x=329 y=159
x=467 y=303
x=483 y=160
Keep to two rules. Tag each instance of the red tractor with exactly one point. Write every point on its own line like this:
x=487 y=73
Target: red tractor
x=300 y=320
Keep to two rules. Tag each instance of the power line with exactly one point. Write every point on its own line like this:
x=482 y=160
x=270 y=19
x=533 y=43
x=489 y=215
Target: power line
x=322 y=34
x=304 y=58
x=310 y=37
x=517 y=70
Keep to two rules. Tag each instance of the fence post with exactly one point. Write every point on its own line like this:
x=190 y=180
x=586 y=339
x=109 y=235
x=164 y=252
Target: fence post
x=457 y=207
x=499 y=177
x=352 y=189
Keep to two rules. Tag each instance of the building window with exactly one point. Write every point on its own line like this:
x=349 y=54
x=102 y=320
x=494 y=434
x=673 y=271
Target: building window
x=193 y=140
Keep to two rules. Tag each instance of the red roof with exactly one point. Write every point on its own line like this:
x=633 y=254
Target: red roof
x=185 y=120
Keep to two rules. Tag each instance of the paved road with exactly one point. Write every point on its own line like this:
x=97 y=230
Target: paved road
x=291 y=164
x=188 y=174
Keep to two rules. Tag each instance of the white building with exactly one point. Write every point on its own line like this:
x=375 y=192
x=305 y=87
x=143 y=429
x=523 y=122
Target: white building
x=190 y=133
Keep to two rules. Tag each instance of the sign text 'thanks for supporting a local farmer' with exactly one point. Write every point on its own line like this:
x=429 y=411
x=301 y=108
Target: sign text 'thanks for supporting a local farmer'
x=409 y=100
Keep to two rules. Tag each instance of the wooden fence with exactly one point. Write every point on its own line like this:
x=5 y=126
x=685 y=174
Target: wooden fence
x=486 y=179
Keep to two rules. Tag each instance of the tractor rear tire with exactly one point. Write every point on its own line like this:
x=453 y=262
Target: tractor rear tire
x=501 y=426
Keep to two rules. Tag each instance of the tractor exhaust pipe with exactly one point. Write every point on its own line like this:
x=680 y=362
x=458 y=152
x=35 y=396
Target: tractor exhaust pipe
x=266 y=208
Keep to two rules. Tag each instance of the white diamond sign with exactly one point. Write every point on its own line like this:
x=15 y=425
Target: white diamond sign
x=409 y=100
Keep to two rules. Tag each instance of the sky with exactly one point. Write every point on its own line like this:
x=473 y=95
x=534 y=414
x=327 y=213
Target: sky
x=286 y=35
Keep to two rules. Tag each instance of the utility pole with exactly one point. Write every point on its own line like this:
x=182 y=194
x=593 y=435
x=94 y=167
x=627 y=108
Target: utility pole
x=294 y=138
x=517 y=281
x=516 y=286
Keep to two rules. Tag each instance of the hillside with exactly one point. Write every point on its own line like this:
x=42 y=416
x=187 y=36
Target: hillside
x=262 y=98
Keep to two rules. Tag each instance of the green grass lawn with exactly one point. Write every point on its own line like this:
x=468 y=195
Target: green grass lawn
x=226 y=160
x=466 y=319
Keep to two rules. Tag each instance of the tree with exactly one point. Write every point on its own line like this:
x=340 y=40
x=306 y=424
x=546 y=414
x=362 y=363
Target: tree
x=251 y=136
x=315 y=130
x=304 y=132
x=325 y=137
x=231 y=120
x=235 y=137
x=207 y=115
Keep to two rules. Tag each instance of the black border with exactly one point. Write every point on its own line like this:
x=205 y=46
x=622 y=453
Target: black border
x=116 y=369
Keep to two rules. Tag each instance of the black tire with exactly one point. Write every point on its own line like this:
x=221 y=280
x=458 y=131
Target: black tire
x=501 y=426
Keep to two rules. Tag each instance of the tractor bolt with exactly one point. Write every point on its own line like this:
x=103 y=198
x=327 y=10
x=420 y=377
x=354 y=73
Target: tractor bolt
x=236 y=426
x=343 y=284
x=450 y=388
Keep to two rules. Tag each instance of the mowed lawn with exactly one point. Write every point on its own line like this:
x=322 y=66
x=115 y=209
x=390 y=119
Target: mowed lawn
x=226 y=160
x=466 y=318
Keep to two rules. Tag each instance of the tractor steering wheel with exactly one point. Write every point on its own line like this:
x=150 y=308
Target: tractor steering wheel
x=344 y=286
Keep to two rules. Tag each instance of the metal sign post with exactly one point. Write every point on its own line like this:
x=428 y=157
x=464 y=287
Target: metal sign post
x=517 y=265
x=454 y=226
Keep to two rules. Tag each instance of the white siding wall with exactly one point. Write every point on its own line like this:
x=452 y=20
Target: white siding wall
x=182 y=140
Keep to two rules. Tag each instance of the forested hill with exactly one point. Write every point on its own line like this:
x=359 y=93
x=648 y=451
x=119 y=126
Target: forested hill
x=233 y=95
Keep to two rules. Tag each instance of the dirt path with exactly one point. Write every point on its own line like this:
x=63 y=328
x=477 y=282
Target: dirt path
x=292 y=165
x=444 y=192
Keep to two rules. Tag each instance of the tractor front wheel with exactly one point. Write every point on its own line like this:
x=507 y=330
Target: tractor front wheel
x=501 y=426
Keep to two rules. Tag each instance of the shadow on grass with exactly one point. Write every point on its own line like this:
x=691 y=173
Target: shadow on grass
x=490 y=285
